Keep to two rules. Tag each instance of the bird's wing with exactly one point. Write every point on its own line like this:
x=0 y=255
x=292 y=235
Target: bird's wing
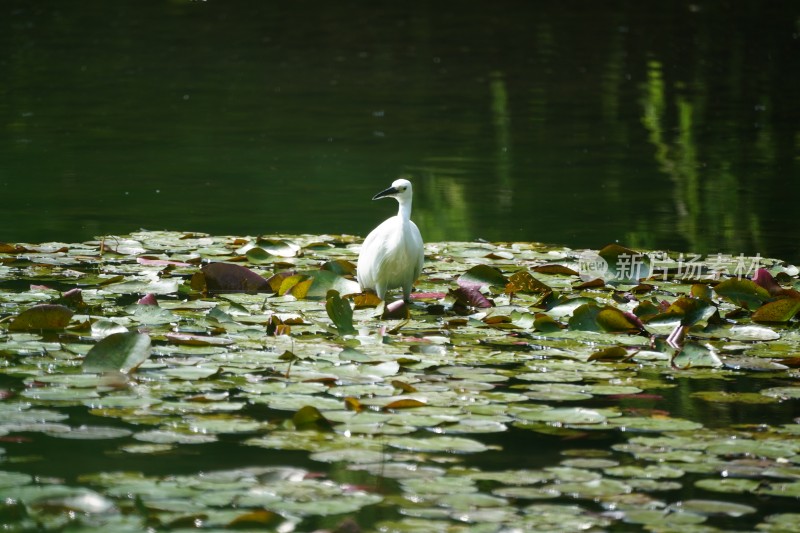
x=417 y=236
x=369 y=259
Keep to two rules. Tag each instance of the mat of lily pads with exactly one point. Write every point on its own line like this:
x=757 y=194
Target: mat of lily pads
x=182 y=381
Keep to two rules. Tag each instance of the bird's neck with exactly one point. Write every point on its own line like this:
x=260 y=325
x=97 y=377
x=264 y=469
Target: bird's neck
x=404 y=211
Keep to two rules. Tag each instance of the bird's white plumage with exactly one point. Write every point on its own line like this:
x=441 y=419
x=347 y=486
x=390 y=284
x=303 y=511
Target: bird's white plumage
x=392 y=254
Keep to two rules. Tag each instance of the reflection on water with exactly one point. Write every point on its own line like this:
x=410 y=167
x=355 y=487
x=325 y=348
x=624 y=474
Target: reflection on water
x=673 y=126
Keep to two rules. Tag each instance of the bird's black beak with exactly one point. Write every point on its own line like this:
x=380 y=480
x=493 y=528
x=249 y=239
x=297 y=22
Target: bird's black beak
x=388 y=192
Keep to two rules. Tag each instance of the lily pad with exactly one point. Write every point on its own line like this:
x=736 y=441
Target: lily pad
x=42 y=317
x=119 y=352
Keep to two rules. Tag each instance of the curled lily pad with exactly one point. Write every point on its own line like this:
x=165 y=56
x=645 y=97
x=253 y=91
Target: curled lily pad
x=481 y=276
x=340 y=313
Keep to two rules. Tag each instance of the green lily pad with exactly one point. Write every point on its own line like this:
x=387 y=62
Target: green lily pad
x=437 y=444
x=119 y=352
x=728 y=485
x=42 y=317
x=482 y=275
x=566 y=415
x=742 y=292
x=340 y=313
x=654 y=424
x=715 y=508
x=783 y=393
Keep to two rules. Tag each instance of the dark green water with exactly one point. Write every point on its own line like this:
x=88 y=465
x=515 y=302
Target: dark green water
x=671 y=124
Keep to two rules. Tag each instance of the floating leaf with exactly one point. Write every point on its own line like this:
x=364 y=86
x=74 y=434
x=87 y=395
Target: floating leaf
x=42 y=317
x=546 y=324
x=258 y=519
x=279 y=247
x=406 y=403
x=119 y=352
x=696 y=355
x=481 y=276
x=366 y=300
x=624 y=264
x=591 y=317
x=567 y=415
x=615 y=353
x=524 y=282
x=340 y=312
x=227 y=277
x=613 y=320
x=340 y=267
x=197 y=340
x=691 y=310
x=742 y=292
x=467 y=297
x=326 y=280
x=259 y=256
x=309 y=417
x=712 y=507
x=438 y=444
x=764 y=279
x=782 y=310
x=554 y=270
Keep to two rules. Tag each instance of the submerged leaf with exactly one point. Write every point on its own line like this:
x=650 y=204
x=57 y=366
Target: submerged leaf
x=42 y=317
x=119 y=352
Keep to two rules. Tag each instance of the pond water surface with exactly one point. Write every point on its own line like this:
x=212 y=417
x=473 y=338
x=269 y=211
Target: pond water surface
x=667 y=126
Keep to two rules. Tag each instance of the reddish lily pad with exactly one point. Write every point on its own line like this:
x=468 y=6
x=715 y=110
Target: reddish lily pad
x=227 y=277
x=782 y=310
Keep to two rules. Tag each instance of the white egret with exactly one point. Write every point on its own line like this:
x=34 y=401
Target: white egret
x=392 y=253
